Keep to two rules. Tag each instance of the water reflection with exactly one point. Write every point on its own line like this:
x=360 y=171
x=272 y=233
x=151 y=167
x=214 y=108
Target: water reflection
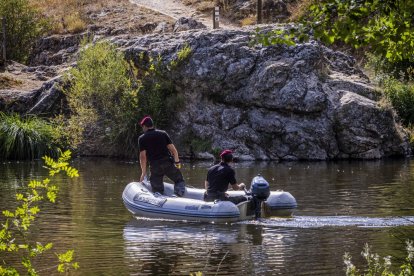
x=341 y=206
x=157 y=246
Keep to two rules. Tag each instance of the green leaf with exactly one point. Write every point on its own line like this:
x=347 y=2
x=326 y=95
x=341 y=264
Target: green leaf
x=8 y=214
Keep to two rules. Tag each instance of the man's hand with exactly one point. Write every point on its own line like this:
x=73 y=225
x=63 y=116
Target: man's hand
x=242 y=186
x=142 y=177
x=177 y=164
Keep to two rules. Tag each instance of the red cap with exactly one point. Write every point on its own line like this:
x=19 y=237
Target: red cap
x=145 y=119
x=224 y=152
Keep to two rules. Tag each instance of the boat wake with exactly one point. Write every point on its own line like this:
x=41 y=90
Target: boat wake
x=333 y=221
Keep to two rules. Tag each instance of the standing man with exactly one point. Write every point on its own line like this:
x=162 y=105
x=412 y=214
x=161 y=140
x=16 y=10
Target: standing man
x=218 y=179
x=156 y=147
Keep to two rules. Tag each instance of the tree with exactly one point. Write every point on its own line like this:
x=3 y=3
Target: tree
x=24 y=24
x=385 y=28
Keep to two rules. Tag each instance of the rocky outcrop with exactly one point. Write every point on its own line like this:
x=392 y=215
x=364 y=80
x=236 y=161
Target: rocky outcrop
x=303 y=102
x=56 y=49
x=46 y=100
x=185 y=24
x=279 y=103
x=37 y=90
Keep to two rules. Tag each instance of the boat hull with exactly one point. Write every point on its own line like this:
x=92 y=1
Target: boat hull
x=141 y=202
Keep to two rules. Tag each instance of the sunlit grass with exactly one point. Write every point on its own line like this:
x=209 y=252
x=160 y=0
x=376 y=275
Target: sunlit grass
x=65 y=15
x=26 y=138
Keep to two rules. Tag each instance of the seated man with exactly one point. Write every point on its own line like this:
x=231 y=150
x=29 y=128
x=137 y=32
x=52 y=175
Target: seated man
x=218 y=179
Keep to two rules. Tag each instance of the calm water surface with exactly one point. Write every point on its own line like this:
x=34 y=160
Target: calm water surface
x=341 y=206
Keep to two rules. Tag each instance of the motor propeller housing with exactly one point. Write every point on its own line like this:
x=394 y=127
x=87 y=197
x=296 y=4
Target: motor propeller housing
x=260 y=188
x=260 y=191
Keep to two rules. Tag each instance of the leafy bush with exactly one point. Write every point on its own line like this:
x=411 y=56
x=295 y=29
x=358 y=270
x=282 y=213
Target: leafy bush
x=158 y=96
x=401 y=96
x=102 y=94
x=376 y=267
x=109 y=94
x=27 y=138
x=15 y=231
x=275 y=37
x=383 y=28
x=24 y=24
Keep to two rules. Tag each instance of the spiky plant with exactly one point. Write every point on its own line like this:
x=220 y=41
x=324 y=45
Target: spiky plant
x=26 y=137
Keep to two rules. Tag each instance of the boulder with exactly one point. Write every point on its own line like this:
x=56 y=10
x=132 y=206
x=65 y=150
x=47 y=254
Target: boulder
x=185 y=24
x=303 y=102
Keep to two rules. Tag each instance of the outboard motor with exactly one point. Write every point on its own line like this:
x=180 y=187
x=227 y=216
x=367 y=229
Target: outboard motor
x=260 y=191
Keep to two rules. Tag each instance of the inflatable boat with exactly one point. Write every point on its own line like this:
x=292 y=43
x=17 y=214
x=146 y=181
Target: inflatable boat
x=260 y=202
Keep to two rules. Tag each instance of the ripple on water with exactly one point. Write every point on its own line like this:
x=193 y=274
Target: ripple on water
x=334 y=221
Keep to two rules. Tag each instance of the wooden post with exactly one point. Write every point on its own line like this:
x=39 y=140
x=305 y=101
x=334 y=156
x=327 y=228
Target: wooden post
x=216 y=17
x=3 y=21
x=259 y=11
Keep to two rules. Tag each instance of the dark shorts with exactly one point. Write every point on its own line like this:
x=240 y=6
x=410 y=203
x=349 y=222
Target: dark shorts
x=161 y=168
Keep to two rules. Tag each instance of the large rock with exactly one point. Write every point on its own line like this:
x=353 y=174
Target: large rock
x=303 y=102
x=37 y=90
x=185 y=24
x=279 y=103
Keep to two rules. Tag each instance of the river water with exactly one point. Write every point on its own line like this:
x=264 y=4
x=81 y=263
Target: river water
x=341 y=206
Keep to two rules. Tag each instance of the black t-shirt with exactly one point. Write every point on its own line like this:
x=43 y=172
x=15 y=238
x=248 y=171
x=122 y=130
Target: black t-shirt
x=219 y=177
x=155 y=142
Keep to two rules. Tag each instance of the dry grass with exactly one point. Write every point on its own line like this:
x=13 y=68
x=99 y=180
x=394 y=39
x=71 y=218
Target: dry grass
x=201 y=5
x=248 y=21
x=65 y=15
x=205 y=6
x=74 y=23
x=299 y=9
x=71 y=16
x=8 y=81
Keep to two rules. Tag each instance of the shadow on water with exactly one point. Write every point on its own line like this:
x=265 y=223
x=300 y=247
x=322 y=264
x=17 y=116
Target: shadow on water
x=163 y=247
x=301 y=245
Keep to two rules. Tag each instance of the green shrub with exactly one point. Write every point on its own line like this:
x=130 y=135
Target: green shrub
x=102 y=96
x=16 y=228
x=277 y=37
x=377 y=267
x=383 y=28
x=27 y=138
x=109 y=95
x=24 y=24
x=158 y=96
x=401 y=96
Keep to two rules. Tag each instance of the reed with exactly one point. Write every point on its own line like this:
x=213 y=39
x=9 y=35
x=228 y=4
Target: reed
x=26 y=137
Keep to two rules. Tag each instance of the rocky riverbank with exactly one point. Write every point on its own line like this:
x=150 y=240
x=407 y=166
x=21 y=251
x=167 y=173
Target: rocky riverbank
x=303 y=102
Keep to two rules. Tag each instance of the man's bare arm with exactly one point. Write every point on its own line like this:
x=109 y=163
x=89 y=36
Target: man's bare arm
x=174 y=152
x=143 y=163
